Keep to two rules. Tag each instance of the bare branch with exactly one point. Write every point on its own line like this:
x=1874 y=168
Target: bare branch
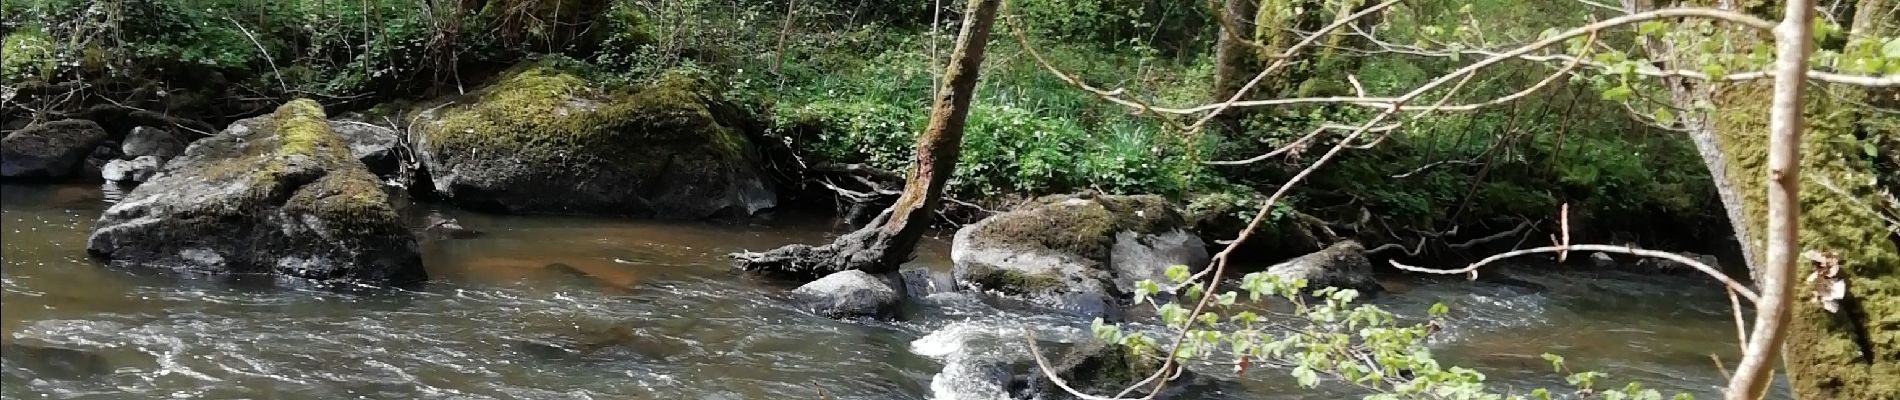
x=1472 y=269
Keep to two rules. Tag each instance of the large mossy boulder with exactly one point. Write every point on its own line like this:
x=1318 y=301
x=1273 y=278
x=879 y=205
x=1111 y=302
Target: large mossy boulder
x=541 y=139
x=49 y=151
x=274 y=194
x=1077 y=253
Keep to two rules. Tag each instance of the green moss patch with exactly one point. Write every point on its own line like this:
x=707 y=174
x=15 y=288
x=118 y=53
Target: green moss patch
x=1080 y=224
x=543 y=111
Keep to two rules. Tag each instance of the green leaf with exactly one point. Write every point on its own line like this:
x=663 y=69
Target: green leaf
x=1438 y=310
x=1651 y=27
x=1244 y=317
x=1177 y=273
x=1106 y=332
x=1891 y=49
x=1714 y=71
x=1144 y=289
x=1556 y=362
x=1173 y=314
x=1619 y=93
x=1306 y=376
x=1665 y=116
x=1227 y=299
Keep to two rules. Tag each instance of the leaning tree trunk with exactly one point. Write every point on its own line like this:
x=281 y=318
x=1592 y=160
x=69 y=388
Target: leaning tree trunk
x=887 y=242
x=1840 y=339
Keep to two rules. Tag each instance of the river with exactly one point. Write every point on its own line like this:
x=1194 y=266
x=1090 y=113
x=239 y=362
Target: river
x=575 y=308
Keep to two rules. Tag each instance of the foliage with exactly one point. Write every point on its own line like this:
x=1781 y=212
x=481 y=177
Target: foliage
x=1029 y=133
x=1328 y=340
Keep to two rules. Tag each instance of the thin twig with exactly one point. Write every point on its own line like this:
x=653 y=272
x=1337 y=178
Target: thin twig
x=260 y=50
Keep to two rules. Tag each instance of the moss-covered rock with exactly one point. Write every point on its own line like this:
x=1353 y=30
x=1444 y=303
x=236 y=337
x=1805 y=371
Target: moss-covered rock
x=1077 y=253
x=274 y=194
x=541 y=139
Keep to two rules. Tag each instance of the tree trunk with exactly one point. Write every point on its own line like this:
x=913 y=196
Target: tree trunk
x=888 y=241
x=1235 y=60
x=1794 y=41
x=1852 y=352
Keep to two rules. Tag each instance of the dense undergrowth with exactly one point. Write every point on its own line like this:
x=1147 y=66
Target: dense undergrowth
x=849 y=82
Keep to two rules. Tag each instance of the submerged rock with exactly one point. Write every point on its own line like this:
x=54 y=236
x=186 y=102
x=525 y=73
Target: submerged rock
x=1079 y=254
x=273 y=194
x=132 y=171
x=849 y=294
x=921 y=283
x=1602 y=260
x=50 y=150
x=445 y=227
x=1666 y=265
x=1343 y=265
x=543 y=140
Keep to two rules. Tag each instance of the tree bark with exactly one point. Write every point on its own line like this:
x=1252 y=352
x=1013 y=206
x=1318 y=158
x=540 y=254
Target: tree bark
x=1794 y=41
x=1852 y=352
x=1235 y=60
x=888 y=241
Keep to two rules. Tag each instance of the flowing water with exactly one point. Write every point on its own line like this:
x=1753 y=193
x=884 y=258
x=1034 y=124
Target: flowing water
x=570 y=308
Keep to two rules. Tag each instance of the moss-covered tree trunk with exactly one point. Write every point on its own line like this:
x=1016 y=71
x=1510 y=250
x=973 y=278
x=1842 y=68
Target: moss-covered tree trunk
x=888 y=241
x=1235 y=60
x=1846 y=348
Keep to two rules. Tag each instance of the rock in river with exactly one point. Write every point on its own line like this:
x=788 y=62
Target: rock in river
x=149 y=141
x=1076 y=253
x=273 y=194
x=51 y=150
x=133 y=170
x=1342 y=265
x=850 y=294
x=542 y=139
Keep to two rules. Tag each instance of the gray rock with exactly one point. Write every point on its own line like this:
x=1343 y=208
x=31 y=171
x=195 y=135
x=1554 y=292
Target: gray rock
x=376 y=146
x=850 y=294
x=1078 y=254
x=1602 y=260
x=675 y=149
x=989 y=360
x=149 y=141
x=1093 y=366
x=131 y=171
x=50 y=150
x=275 y=194
x=1342 y=265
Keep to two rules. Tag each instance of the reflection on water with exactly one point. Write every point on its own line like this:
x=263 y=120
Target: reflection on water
x=544 y=308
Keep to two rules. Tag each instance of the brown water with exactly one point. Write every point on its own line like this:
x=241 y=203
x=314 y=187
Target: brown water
x=569 y=308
